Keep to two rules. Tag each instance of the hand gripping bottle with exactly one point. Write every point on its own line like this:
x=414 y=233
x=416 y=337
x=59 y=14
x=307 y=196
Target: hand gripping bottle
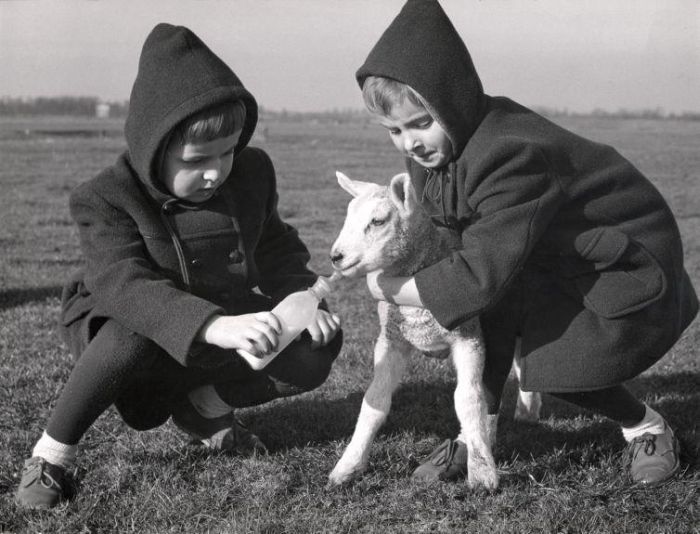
x=295 y=312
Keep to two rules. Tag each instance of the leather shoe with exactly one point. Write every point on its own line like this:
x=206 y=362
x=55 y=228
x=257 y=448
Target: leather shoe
x=44 y=485
x=220 y=434
x=448 y=462
x=653 y=458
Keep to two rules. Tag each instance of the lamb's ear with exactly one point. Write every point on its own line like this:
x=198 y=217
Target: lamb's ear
x=401 y=192
x=354 y=187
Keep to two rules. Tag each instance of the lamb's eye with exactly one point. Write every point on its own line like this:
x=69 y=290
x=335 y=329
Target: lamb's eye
x=377 y=222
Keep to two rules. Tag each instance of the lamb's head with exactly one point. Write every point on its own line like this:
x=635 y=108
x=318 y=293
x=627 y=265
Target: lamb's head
x=379 y=227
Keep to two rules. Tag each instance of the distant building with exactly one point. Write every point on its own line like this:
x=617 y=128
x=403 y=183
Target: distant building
x=102 y=110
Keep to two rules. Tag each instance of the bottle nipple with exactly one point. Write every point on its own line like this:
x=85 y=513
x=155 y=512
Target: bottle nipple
x=324 y=285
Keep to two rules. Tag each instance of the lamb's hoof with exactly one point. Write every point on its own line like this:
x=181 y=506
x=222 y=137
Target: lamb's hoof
x=482 y=477
x=485 y=481
x=528 y=407
x=341 y=477
x=334 y=483
x=437 y=354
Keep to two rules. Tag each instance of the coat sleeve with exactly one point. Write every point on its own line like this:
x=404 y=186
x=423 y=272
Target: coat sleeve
x=514 y=200
x=125 y=283
x=281 y=256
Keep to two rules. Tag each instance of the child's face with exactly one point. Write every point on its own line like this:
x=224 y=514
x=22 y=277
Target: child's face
x=417 y=135
x=193 y=171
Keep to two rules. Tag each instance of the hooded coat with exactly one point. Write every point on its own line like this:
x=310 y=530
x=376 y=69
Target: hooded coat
x=162 y=267
x=564 y=242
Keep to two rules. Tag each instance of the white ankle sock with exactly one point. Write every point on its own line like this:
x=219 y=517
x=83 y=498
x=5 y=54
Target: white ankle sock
x=652 y=423
x=55 y=452
x=207 y=402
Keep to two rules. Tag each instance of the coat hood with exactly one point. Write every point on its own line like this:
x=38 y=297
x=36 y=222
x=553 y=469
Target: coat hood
x=178 y=75
x=422 y=49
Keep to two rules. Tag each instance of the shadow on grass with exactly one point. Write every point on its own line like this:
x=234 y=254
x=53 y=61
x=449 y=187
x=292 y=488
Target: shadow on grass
x=9 y=298
x=425 y=409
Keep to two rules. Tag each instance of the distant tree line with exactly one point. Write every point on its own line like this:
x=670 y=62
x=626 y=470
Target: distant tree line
x=86 y=106
x=81 y=106
x=622 y=113
x=350 y=114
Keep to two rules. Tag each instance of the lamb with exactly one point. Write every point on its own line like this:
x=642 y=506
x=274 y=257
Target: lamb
x=386 y=229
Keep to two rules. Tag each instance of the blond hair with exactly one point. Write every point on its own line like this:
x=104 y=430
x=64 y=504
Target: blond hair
x=382 y=94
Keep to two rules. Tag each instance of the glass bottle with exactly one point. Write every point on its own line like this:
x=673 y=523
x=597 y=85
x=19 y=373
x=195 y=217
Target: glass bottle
x=295 y=312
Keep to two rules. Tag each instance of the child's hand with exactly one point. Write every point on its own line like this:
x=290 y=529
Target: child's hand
x=399 y=290
x=323 y=328
x=255 y=333
x=374 y=286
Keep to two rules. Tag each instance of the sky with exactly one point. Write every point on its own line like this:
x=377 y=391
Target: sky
x=301 y=55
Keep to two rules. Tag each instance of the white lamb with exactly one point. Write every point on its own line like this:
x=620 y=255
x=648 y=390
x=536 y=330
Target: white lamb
x=386 y=229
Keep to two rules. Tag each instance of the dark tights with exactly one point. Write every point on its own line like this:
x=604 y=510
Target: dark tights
x=615 y=403
x=97 y=379
x=123 y=368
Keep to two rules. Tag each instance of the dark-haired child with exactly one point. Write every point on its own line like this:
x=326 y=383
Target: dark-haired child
x=176 y=236
x=566 y=245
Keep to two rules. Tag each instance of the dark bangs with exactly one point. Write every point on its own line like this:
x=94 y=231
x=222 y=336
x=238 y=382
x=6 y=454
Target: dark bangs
x=212 y=123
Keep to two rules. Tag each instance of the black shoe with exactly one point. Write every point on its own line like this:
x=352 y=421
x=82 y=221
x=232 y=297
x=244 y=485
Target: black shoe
x=43 y=485
x=221 y=434
x=653 y=458
x=447 y=462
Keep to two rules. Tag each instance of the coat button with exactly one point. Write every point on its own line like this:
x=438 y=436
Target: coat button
x=236 y=256
x=196 y=263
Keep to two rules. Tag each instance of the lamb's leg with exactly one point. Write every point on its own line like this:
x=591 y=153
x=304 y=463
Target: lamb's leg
x=529 y=403
x=389 y=365
x=492 y=429
x=470 y=405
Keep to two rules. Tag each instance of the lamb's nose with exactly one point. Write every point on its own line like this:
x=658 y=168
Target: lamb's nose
x=336 y=257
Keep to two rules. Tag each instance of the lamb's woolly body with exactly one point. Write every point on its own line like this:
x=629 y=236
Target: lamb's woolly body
x=420 y=244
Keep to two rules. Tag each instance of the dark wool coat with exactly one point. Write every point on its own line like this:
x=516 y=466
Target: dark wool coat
x=162 y=267
x=564 y=242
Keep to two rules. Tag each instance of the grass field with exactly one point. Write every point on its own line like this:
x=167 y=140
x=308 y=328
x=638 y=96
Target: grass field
x=562 y=475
